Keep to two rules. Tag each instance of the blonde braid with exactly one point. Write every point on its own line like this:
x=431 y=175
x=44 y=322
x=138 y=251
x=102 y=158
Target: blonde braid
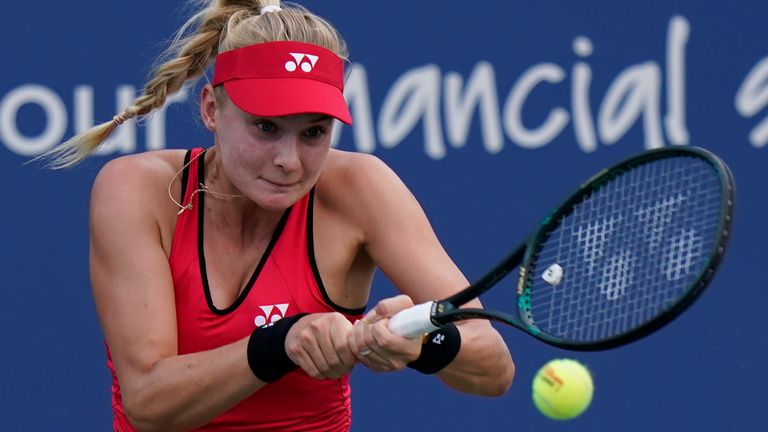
x=189 y=56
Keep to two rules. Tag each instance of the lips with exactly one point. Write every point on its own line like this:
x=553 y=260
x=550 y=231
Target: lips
x=280 y=184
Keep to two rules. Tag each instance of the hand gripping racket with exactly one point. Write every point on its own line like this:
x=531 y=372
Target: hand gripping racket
x=623 y=256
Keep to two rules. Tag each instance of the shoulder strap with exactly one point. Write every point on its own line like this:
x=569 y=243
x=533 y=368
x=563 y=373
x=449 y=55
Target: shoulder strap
x=185 y=174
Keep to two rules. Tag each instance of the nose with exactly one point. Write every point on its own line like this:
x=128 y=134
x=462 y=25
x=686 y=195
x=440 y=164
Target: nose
x=286 y=155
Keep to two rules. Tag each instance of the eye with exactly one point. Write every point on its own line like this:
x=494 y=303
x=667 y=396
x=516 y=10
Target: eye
x=315 y=132
x=265 y=126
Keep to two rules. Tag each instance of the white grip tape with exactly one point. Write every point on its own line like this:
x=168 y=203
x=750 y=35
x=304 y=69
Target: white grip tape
x=414 y=321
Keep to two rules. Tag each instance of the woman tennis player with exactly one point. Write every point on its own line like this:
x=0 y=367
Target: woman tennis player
x=231 y=280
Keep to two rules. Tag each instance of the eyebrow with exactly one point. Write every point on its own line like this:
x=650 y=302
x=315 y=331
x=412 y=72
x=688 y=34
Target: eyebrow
x=320 y=118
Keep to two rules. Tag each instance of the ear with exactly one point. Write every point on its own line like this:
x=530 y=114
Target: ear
x=208 y=107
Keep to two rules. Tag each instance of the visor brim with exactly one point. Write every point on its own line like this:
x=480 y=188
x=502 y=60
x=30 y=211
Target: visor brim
x=278 y=97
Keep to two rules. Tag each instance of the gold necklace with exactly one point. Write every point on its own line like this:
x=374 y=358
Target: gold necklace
x=202 y=187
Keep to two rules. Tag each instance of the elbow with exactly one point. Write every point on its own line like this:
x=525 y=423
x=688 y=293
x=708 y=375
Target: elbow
x=493 y=381
x=142 y=418
x=497 y=382
x=140 y=422
x=503 y=381
x=494 y=372
x=140 y=425
x=144 y=424
x=498 y=379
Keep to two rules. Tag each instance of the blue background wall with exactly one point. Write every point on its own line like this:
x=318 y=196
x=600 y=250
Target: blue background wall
x=688 y=73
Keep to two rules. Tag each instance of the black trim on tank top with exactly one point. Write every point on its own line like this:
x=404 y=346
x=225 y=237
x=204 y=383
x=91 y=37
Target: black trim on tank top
x=185 y=175
x=201 y=251
x=313 y=262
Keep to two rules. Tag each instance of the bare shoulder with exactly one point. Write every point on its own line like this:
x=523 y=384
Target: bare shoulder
x=138 y=181
x=362 y=189
x=143 y=169
x=134 y=189
x=347 y=163
x=354 y=178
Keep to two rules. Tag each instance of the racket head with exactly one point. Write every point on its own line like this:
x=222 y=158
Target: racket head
x=630 y=250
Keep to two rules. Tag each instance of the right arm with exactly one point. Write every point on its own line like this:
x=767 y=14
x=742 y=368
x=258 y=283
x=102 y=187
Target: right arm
x=134 y=296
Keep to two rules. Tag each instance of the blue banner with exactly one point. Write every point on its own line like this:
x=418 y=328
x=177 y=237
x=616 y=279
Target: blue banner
x=490 y=112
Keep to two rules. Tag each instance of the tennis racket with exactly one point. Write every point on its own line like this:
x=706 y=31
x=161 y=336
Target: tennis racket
x=628 y=252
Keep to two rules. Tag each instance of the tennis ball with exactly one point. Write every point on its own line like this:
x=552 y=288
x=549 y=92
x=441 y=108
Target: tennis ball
x=562 y=389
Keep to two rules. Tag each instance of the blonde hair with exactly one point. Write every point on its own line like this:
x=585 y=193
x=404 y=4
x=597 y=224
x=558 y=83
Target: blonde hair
x=215 y=27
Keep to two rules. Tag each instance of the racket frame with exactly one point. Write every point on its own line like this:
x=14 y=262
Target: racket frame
x=448 y=310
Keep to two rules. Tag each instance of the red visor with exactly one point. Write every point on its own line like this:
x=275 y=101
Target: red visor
x=275 y=79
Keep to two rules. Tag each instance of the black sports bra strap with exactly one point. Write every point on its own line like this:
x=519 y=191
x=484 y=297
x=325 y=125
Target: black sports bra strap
x=185 y=175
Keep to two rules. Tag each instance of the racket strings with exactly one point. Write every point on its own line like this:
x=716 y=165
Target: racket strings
x=629 y=250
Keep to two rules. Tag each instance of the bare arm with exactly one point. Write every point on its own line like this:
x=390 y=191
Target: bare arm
x=134 y=296
x=400 y=240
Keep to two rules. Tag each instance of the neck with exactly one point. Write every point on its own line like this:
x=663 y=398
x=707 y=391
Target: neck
x=215 y=184
x=228 y=210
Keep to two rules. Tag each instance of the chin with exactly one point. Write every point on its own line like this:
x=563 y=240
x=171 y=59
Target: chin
x=279 y=201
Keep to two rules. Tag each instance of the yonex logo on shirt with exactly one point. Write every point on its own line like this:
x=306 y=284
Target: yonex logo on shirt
x=272 y=314
x=305 y=61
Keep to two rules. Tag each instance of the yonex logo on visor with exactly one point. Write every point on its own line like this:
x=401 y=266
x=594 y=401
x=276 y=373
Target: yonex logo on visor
x=307 y=62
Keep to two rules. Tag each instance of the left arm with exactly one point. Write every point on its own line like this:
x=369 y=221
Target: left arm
x=400 y=240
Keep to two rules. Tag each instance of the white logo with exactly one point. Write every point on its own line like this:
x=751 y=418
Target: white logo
x=438 y=339
x=553 y=275
x=272 y=314
x=306 y=61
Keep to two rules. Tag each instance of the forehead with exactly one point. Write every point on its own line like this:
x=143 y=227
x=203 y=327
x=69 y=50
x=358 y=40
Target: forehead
x=227 y=104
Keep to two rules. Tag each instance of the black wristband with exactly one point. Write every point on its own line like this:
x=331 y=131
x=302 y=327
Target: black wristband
x=266 y=349
x=439 y=349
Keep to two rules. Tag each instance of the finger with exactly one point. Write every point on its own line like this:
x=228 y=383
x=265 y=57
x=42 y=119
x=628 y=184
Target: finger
x=312 y=348
x=388 y=307
x=353 y=338
x=301 y=347
x=335 y=348
x=378 y=357
x=378 y=363
x=357 y=343
x=363 y=352
x=299 y=355
x=380 y=335
x=332 y=366
x=392 y=348
x=367 y=341
x=367 y=353
x=334 y=344
x=371 y=317
x=343 y=348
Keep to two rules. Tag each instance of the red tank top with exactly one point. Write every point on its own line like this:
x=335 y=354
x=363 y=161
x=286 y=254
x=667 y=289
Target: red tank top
x=285 y=282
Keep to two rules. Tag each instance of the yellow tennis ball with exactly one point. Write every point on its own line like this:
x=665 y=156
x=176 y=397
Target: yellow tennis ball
x=562 y=389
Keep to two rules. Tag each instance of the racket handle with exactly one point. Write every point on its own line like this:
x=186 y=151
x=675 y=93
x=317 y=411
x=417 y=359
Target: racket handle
x=414 y=321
